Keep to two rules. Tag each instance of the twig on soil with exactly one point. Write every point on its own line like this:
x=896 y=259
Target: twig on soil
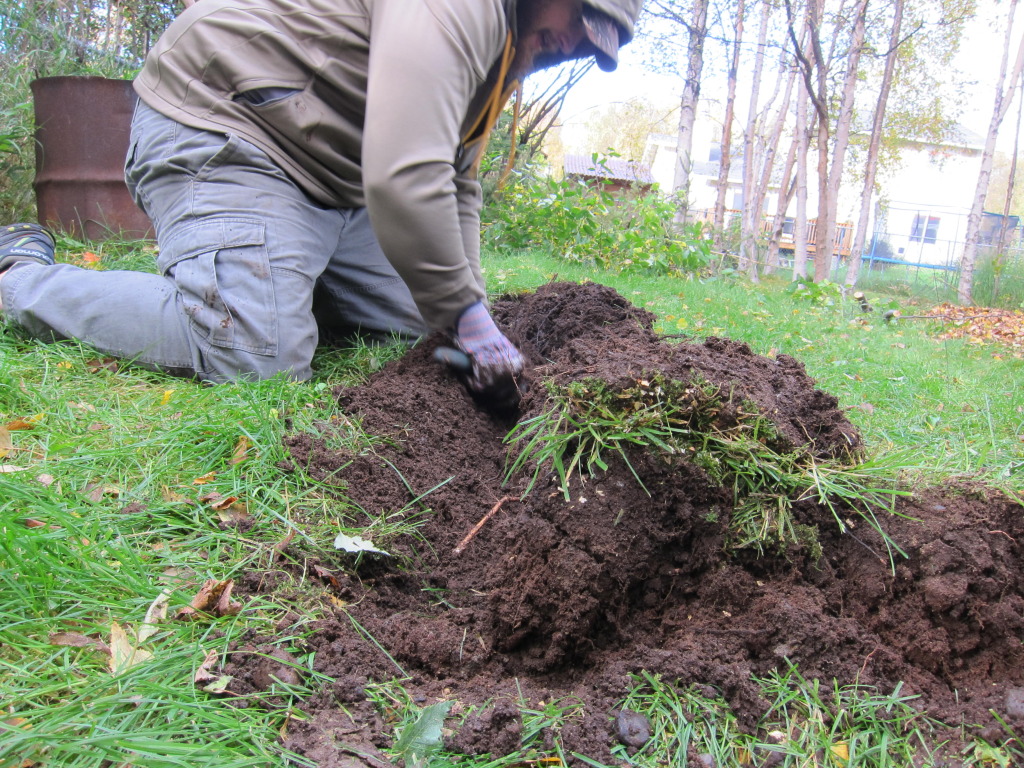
x=865 y=664
x=476 y=528
x=1006 y=535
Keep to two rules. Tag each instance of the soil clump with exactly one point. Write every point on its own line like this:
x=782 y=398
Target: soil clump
x=556 y=598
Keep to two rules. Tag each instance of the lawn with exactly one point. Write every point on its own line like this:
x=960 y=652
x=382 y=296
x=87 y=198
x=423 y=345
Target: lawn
x=123 y=491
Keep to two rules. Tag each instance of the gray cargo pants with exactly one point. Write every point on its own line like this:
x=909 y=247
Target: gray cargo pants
x=251 y=270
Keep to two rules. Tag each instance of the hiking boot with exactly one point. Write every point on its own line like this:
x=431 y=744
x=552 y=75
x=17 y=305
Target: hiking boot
x=25 y=242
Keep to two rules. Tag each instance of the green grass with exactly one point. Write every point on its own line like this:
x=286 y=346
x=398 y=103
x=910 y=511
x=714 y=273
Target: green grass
x=112 y=472
x=958 y=406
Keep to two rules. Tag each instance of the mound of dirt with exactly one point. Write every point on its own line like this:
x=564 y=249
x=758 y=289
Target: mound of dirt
x=552 y=598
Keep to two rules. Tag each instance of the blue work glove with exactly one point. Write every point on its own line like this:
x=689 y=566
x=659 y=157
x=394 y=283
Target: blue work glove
x=494 y=362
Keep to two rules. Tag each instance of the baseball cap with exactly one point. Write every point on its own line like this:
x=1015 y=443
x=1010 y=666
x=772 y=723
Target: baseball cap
x=603 y=34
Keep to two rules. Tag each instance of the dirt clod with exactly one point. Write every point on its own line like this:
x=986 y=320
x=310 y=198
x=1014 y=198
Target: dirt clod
x=556 y=600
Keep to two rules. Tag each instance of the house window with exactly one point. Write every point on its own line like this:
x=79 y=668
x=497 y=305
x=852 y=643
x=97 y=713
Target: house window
x=925 y=229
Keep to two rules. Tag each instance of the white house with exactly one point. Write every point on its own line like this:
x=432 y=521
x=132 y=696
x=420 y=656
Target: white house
x=920 y=211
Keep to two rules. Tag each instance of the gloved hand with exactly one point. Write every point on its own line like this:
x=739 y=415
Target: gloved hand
x=494 y=362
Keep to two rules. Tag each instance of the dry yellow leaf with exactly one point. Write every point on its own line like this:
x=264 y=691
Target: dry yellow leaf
x=124 y=655
x=156 y=613
x=841 y=750
x=6 y=444
x=28 y=422
x=241 y=450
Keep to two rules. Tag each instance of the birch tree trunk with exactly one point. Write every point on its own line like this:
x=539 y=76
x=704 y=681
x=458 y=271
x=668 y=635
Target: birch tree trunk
x=726 y=145
x=1003 y=99
x=824 y=244
x=750 y=216
x=812 y=12
x=786 y=190
x=698 y=31
x=768 y=162
x=802 y=139
x=875 y=141
x=1001 y=255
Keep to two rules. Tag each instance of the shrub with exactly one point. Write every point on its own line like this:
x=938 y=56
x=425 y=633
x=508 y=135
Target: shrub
x=586 y=225
x=999 y=281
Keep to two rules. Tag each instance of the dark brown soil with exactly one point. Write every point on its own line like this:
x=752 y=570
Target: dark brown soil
x=553 y=598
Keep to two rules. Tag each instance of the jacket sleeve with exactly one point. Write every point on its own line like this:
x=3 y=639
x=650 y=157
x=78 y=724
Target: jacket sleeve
x=427 y=59
x=470 y=200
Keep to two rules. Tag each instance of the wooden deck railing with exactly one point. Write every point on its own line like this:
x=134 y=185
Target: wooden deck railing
x=843 y=236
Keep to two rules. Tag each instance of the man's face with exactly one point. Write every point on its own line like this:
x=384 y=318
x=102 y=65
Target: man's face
x=549 y=31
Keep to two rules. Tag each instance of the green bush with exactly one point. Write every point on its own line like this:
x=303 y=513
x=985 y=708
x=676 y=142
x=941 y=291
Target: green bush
x=581 y=224
x=999 y=281
x=51 y=38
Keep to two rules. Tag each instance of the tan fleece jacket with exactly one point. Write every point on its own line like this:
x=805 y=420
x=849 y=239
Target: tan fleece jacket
x=386 y=90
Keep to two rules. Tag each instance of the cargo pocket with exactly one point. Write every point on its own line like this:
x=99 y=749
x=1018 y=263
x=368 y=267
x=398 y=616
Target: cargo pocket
x=222 y=269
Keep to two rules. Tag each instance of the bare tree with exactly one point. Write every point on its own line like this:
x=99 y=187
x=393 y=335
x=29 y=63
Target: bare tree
x=694 y=20
x=802 y=139
x=786 y=72
x=750 y=217
x=1004 y=93
x=825 y=241
x=874 y=142
x=725 y=161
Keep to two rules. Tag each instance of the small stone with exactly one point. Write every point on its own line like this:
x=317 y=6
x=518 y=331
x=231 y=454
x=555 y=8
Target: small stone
x=706 y=760
x=633 y=729
x=1015 y=702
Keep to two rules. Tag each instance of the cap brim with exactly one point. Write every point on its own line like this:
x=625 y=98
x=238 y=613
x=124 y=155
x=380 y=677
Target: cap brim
x=603 y=34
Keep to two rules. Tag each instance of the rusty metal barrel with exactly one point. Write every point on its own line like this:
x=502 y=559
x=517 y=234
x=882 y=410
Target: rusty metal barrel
x=82 y=134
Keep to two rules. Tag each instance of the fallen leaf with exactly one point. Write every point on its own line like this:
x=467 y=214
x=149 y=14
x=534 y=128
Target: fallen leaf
x=214 y=598
x=356 y=544
x=156 y=613
x=46 y=480
x=28 y=422
x=229 y=509
x=31 y=522
x=204 y=479
x=327 y=576
x=241 y=452
x=102 y=364
x=203 y=673
x=168 y=394
x=6 y=444
x=12 y=468
x=90 y=258
x=218 y=500
x=123 y=655
x=78 y=640
x=97 y=492
x=280 y=546
x=220 y=685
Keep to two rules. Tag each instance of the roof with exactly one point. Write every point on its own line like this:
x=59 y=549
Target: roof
x=607 y=168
